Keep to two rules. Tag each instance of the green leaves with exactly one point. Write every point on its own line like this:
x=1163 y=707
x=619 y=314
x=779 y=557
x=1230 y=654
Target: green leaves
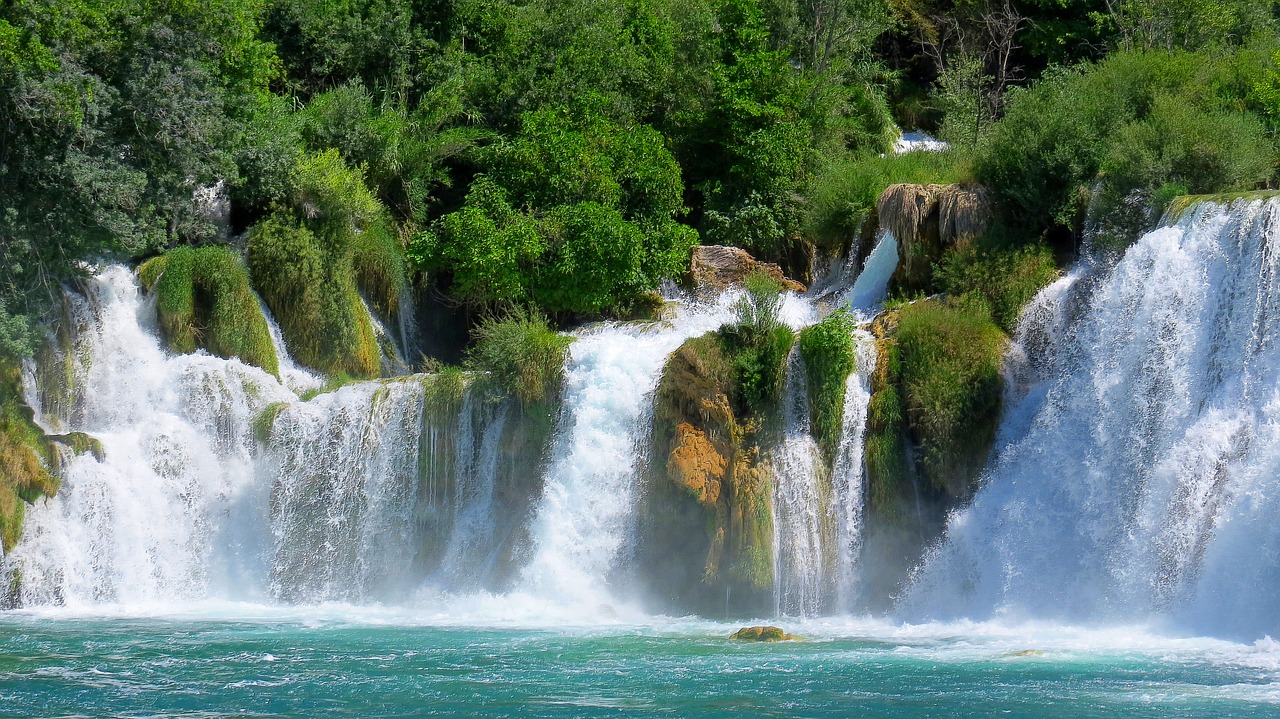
x=576 y=214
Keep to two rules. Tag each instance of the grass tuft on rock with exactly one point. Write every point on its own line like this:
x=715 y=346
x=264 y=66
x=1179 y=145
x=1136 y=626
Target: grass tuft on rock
x=522 y=353
x=204 y=300
x=950 y=354
x=312 y=294
x=25 y=458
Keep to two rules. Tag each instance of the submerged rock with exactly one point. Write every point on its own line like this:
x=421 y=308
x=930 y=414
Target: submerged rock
x=763 y=634
x=718 y=267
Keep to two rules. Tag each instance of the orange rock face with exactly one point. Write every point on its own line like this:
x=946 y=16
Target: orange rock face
x=696 y=465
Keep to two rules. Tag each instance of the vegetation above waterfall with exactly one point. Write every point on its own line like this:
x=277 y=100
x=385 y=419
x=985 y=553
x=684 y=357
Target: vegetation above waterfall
x=566 y=155
x=204 y=300
x=522 y=353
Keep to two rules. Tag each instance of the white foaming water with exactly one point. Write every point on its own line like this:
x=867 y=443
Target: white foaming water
x=817 y=527
x=1147 y=481
x=144 y=524
x=849 y=471
x=585 y=513
x=803 y=522
x=350 y=496
x=871 y=288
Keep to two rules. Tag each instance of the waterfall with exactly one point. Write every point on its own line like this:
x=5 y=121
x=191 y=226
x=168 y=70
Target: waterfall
x=802 y=519
x=584 y=516
x=1145 y=480
x=818 y=509
x=871 y=287
x=218 y=481
x=849 y=470
x=143 y=525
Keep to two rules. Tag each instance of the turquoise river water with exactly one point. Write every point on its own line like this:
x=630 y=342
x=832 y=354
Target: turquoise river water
x=356 y=662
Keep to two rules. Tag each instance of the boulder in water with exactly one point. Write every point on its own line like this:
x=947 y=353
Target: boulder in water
x=717 y=267
x=762 y=634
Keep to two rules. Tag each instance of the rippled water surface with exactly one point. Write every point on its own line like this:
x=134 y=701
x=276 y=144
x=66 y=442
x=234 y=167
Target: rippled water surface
x=340 y=663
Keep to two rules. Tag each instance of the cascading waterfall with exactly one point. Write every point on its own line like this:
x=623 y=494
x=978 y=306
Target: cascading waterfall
x=848 y=473
x=803 y=520
x=584 y=517
x=1146 y=481
x=143 y=525
x=219 y=482
x=818 y=509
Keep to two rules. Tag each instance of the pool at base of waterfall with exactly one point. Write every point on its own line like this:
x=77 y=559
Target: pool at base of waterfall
x=342 y=661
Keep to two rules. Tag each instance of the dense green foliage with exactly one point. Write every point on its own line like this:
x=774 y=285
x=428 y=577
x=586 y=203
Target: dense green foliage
x=1138 y=120
x=522 y=353
x=204 y=299
x=828 y=351
x=949 y=354
x=1003 y=278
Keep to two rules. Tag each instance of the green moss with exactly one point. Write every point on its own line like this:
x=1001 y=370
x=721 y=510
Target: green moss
x=445 y=389
x=378 y=262
x=885 y=451
x=266 y=421
x=310 y=287
x=828 y=351
x=81 y=443
x=25 y=458
x=762 y=634
x=950 y=381
x=521 y=353
x=1179 y=206
x=204 y=300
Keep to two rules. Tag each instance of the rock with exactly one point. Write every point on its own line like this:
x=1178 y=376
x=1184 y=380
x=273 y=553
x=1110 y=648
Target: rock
x=717 y=267
x=762 y=634
x=81 y=443
x=695 y=465
x=927 y=219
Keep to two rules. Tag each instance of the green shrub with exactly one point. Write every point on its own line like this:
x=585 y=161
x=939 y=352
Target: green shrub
x=522 y=353
x=329 y=192
x=950 y=378
x=1142 y=119
x=204 y=299
x=829 y=355
x=312 y=294
x=575 y=213
x=758 y=344
x=1005 y=278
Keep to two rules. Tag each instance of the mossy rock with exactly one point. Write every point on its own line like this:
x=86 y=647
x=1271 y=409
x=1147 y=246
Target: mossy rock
x=204 y=300
x=1180 y=205
x=763 y=634
x=308 y=282
x=81 y=443
x=25 y=458
x=829 y=357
